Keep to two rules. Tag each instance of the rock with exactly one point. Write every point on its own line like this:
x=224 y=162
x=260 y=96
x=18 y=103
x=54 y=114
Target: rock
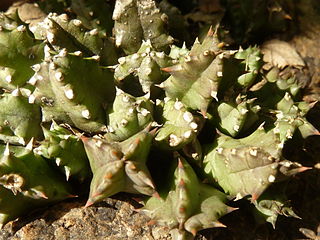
x=111 y=219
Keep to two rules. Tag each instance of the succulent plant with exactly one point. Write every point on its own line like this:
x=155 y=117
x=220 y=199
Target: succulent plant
x=145 y=64
x=234 y=118
x=247 y=166
x=19 y=51
x=118 y=108
x=128 y=116
x=189 y=206
x=59 y=90
x=137 y=20
x=27 y=181
x=119 y=166
x=272 y=204
x=179 y=125
x=20 y=120
x=66 y=149
x=186 y=84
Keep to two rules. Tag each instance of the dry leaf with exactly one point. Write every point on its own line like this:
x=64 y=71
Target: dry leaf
x=281 y=54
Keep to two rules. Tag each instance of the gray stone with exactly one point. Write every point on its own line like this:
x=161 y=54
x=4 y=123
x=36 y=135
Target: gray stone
x=111 y=219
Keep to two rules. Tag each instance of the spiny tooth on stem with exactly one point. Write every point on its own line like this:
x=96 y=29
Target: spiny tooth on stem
x=231 y=209
x=180 y=164
x=219 y=224
x=88 y=203
x=194 y=232
x=108 y=176
x=148 y=182
x=238 y=197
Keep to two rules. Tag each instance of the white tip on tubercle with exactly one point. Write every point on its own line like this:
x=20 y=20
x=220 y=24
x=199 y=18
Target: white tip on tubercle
x=30 y=145
x=77 y=53
x=63 y=52
x=33 y=80
x=158 y=102
x=16 y=92
x=94 y=32
x=6 y=150
x=147 y=95
x=193 y=125
x=187 y=134
x=50 y=36
x=59 y=76
x=36 y=67
x=22 y=141
x=178 y=105
x=77 y=22
x=53 y=125
x=122 y=60
x=86 y=114
x=95 y=57
x=188 y=117
x=110 y=129
x=69 y=93
x=118 y=91
x=271 y=178
x=58 y=161
x=214 y=95
x=67 y=171
x=144 y=112
x=31 y=99
x=21 y=28
x=8 y=78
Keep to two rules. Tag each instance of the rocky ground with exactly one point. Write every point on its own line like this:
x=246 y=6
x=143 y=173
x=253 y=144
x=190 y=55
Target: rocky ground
x=112 y=219
x=117 y=219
